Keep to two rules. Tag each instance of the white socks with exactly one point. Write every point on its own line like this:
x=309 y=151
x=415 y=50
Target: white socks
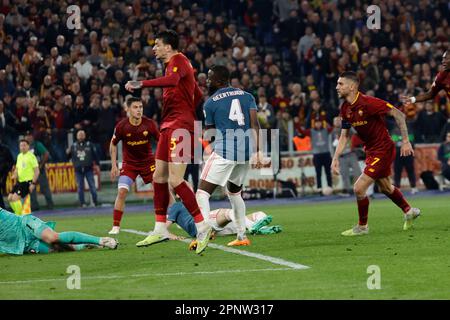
x=202 y=198
x=160 y=228
x=238 y=205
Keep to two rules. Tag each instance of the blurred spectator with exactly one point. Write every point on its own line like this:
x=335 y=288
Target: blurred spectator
x=321 y=149
x=42 y=155
x=429 y=124
x=85 y=162
x=6 y=164
x=444 y=156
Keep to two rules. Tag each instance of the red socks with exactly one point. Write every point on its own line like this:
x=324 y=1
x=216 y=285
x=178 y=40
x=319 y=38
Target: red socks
x=117 y=217
x=363 y=210
x=188 y=198
x=161 y=200
x=398 y=198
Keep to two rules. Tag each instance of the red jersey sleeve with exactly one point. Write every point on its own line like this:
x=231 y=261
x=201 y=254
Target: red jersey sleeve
x=344 y=123
x=438 y=84
x=198 y=95
x=117 y=136
x=375 y=106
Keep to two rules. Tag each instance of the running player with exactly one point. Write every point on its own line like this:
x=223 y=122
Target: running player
x=174 y=151
x=135 y=132
x=29 y=234
x=441 y=82
x=366 y=115
x=232 y=112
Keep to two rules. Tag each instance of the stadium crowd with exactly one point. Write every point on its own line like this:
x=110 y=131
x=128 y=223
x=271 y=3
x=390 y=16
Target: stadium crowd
x=287 y=53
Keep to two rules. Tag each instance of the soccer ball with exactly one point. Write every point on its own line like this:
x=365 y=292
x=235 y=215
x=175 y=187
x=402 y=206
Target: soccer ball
x=327 y=191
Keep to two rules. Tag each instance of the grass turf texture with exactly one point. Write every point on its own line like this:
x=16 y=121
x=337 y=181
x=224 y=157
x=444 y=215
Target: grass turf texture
x=414 y=264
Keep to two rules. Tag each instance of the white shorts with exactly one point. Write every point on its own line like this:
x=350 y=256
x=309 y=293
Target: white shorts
x=219 y=171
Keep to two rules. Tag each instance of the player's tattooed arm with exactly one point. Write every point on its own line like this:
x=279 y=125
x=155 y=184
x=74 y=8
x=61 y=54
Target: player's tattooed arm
x=400 y=118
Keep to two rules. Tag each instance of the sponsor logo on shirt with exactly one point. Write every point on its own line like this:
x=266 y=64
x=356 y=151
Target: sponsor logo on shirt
x=137 y=143
x=359 y=123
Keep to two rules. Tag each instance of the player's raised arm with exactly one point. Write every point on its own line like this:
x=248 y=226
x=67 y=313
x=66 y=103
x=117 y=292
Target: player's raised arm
x=400 y=118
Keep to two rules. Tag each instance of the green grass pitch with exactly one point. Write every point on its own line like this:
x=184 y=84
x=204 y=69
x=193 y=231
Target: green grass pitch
x=414 y=264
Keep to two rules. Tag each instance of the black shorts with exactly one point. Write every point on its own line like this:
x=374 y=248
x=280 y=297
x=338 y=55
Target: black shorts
x=22 y=188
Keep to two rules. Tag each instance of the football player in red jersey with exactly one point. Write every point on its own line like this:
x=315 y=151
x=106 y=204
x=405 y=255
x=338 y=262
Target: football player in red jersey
x=441 y=82
x=366 y=115
x=181 y=96
x=136 y=133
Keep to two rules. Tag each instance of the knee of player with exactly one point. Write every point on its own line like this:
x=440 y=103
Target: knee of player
x=387 y=189
x=359 y=190
x=175 y=181
x=122 y=193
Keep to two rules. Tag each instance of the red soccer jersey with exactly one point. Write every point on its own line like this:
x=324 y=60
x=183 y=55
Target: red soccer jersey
x=367 y=115
x=136 y=141
x=441 y=82
x=181 y=93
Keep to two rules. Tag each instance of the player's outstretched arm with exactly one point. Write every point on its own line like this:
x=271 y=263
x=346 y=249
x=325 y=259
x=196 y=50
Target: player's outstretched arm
x=170 y=80
x=400 y=118
x=343 y=139
x=420 y=98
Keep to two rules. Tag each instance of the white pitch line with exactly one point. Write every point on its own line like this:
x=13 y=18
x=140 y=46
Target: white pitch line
x=148 y=275
x=270 y=259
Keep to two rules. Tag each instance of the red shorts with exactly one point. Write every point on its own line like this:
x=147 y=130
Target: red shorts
x=177 y=148
x=379 y=165
x=132 y=172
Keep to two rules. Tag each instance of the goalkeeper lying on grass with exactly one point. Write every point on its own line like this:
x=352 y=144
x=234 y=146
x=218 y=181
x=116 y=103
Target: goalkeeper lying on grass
x=29 y=234
x=221 y=220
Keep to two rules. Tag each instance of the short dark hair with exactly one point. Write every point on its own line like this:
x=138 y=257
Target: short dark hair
x=350 y=75
x=221 y=73
x=130 y=101
x=24 y=140
x=169 y=37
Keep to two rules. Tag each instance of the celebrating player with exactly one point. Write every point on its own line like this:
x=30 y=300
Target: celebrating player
x=367 y=116
x=228 y=110
x=29 y=234
x=135 y=132
x=181 y=95
x=441 y=82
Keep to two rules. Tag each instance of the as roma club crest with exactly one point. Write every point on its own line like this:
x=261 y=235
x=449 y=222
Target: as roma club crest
x=145 y=133
x=360 y=112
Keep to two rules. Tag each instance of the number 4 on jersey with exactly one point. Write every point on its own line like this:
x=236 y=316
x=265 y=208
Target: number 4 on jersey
x=236 y=112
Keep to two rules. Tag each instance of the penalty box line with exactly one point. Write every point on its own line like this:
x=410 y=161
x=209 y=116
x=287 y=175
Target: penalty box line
x=259 y=256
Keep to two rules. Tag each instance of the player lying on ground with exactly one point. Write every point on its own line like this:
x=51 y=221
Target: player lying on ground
x=441 y=82
x=181 y=95
x=229 y=110
x=136 y=133
x=367 y=115
x=222 y=221
x=29 y=234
